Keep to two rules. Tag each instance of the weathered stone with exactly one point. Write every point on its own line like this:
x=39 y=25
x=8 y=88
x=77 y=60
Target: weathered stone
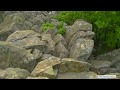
x=10 y=24
x=100 y=67
x=113 y=56
x=110 y=56
x=44 y=72
x=60 y=49
x=50 y=43
x=46 y=56
x=14 y=73
x=79 y=25
x=36 y=78
x=74 y=75
x=79 y=34
x=27 y=25
x=81 y=49
x=27 y=39
x=59 y=38
x=45 y=67
x=36 y=28
x=107 y=70
x=89 y=34
x=37 y=54
x=14 y=56
x=53 y=32
x=72 y=65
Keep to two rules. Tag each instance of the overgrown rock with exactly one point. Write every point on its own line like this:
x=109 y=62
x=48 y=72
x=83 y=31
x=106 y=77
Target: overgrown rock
x=79 y=25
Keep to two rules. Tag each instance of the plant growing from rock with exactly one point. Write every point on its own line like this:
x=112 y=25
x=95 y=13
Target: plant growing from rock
x=49 y=26
x=105 y=25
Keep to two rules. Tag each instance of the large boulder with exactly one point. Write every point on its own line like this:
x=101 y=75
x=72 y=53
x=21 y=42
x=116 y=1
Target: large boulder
x=100 y=67
x=113 y=56
x=14 y=73
x=81 y=49
x=14 y=56
x=110 y=56
x=72 y=65
x=10 y=24
x=79 y=25
x=45 y=68
x=27 y=39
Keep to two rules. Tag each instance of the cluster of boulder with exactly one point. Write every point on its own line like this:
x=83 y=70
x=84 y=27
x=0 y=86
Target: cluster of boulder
x=26 y=52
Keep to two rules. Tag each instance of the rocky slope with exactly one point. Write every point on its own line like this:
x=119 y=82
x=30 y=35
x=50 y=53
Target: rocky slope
x=26 y=52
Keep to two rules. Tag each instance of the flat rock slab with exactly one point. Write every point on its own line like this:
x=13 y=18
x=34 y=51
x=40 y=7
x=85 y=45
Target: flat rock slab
x=74 y=75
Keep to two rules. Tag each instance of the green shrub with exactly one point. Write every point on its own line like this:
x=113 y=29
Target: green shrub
x=62 y=30
x=48 y=26
x=106 y=25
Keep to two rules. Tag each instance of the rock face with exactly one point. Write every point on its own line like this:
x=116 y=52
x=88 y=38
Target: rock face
x=45 y=68
x=45 y=54
x=72 y=65
x=100 y=67
x=112 y=56
x=79 y=40
x=22 y=20
x=81 y=49
x=14 y=73
x=13 y=56
x=60 y=49
x=79 y=25
x=24 y=39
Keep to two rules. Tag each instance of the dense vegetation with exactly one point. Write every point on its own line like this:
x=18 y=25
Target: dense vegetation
x=106 y=25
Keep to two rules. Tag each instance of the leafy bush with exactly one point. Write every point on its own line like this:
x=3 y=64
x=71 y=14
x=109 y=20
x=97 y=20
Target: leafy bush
x=106 y=25
x=48 y=26
x=61 y=28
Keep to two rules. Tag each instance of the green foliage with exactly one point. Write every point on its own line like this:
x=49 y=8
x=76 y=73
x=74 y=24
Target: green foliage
x=61 y=28
x=106 y=25
x=48 y=26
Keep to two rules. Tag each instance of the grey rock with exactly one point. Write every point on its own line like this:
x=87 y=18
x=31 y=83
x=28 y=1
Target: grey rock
x=59 y=38
x=61 y=50
x=81 y=49
x=81 y=75
x=100 y=67
x=72 y=65
x=14 y=73
x=14 y=56
x=79 y=25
